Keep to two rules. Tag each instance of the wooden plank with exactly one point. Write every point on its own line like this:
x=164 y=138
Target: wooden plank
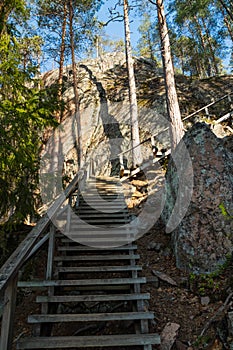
x=103 y=221
x=87 y=282
x=102 y=215
x=104 y=242
x=103 y=199
x=49 y=271
x=113 y=229
x=97 y=257
x=98 y=207
x=113 y=316
x=91 y=298
x=38 y=245
x=86 y=248
x=98 y=269
x=8 y=315
x=16 y=260
x=88 y=341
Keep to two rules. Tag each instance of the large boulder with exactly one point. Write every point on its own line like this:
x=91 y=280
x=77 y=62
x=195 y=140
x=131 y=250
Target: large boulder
x=203 y=239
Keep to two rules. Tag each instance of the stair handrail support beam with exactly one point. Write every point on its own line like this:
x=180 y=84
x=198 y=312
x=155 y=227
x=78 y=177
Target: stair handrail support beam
x=9 y=271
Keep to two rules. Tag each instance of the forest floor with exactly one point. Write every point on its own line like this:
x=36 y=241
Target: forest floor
x=192 y=302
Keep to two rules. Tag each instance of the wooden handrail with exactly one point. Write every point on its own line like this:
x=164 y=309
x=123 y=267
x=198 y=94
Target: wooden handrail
x=189 y=116
x=210 y=104
x=11 y=267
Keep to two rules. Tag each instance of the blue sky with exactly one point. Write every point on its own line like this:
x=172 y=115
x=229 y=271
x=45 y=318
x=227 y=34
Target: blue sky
x=115 y=30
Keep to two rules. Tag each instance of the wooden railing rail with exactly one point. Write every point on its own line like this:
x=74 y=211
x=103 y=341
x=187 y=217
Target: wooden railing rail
x=152 y=137
x=209 y=105
x=27 y=248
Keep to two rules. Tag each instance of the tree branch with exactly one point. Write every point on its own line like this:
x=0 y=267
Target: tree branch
x=220 y=310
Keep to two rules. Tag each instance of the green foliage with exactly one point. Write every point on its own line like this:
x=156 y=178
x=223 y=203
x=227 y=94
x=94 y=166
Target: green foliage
x=24 y=112
x=200 y=46
x=202 y=342
x=52 y=14
x=205 y=284
x=224 y=211
x=148 y=44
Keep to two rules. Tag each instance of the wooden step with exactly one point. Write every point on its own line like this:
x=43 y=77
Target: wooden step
x=113 y=316
x=87 y=282
x=91 y=298
x=119 y=215
x=103 y=199
x=97 y=257
x=101 y=239
x=80 y=269
x=88 y=341
x=107 y=221
x=121 y=205
x=114 y=230
x=86 y=248
x=102 y=242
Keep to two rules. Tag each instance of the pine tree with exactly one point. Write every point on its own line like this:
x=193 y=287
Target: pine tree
x=173 y=110
x=148 y=43
x=24 y=112
x=137 y=157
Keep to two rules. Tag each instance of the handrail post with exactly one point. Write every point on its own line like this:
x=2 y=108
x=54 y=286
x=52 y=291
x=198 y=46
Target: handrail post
x=207 y=111
x=152 y=141
x=122 y=167
x=8 y=314
x=230 y=100
x=49 y=270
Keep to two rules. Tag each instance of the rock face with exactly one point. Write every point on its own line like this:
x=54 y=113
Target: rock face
x=105 y=110
x=204 y=237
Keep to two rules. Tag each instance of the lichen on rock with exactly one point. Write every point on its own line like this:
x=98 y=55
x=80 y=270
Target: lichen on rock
x=203 y=239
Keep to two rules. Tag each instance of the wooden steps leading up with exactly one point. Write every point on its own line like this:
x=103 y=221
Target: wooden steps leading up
x=95 y=284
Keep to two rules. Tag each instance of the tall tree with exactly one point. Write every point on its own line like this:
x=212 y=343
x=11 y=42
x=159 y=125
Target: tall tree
x=195 y=20
x=7 y=7
x=228 y=6
x=75 y=83
x=173 y=109
x=24 y=112
x=149 y=38
x=137 y=156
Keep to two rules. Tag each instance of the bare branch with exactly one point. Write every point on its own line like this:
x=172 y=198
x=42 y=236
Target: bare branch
x=152 y=2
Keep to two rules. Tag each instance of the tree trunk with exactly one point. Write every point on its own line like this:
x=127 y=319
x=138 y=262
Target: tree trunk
x=173 y=109
x=228 y=10
x=207 y=61
x=76 y=95
x=215 y=63
x=137 y=156
x=62 y=58
x=228 y=25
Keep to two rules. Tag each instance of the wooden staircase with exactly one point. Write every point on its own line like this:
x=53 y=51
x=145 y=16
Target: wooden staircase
x=93 y=297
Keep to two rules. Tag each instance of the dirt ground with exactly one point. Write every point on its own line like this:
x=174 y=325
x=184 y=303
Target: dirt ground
x=192 y=303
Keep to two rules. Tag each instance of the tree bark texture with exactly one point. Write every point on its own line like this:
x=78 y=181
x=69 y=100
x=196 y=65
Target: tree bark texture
x=173 y=109
x=137 y=156
x=75 y=85
x=62 y=58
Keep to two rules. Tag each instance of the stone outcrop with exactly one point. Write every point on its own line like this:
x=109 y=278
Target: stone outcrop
x=104 y=105
x=204 y=237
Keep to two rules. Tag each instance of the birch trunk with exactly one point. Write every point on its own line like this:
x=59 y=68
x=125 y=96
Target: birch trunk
x=137 y=156
x=75 y=86
x=62 y=59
